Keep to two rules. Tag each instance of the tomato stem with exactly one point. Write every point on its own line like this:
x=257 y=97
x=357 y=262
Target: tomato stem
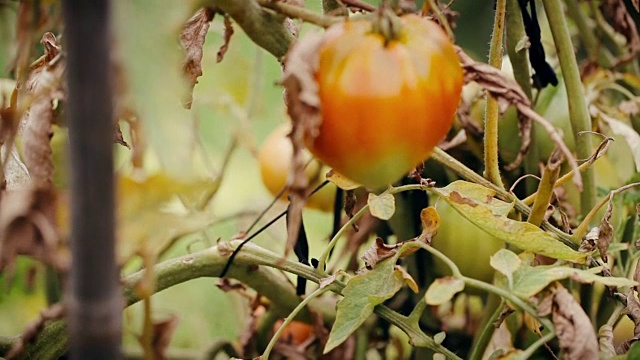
x=492 y=111
x=578 y=112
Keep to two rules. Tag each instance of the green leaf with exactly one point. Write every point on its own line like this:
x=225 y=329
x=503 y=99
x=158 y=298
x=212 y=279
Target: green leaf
x=478 y=204
x=382 y=206
x=530 y=280
x=506 y=262
x=443 y=289
x=362 y=293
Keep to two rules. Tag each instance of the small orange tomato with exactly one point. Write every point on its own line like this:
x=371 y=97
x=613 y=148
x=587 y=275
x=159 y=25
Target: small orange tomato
x=386 y=102
x=274 y=159
x=296 y=332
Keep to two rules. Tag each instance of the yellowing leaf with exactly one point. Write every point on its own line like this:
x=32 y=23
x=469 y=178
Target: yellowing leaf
x=341 y=181
x=478 y=204
x=430 y=223
x=530 y=280
x=382 y=206
x=442 y=290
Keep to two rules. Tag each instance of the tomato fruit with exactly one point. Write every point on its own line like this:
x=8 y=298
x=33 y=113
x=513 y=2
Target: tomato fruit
x=274 y=159
x=386 y=102
x=468 y=246
x=296 y=332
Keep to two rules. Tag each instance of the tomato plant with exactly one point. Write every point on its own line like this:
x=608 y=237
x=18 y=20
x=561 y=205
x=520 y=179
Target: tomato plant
x=386 y=99
x=275 y=161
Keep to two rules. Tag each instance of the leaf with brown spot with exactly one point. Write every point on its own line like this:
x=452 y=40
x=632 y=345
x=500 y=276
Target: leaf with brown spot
x=430 y=223
x=192 y=40
x=576 y=334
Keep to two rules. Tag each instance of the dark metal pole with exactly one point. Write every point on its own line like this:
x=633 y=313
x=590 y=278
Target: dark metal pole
x=94 y=299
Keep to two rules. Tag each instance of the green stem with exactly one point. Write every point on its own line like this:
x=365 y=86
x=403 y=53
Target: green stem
x=489 y=288
x=534 y=347
x=290 y=317
x=322 y=261
x=485 y=336
x=52 y=341
x=518 y=57
x=492 y=110
x=578 y=112
x=459 y=168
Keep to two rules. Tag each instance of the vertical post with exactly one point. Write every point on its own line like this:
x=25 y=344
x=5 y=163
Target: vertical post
x=94 y=299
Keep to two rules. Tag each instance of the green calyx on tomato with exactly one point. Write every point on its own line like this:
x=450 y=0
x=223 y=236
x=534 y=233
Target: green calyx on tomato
x=386 y=102
x=274 y=159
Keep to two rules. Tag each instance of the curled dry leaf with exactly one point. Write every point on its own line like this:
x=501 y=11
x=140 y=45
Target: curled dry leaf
x=623 y=23
x=380 y=251
x=605 y=231
x=27 y=227
x=301 y=96
x=633 y=311
x=162 y=333
x=228 y=32
x=430 y=220
x=508 y=92
x=576 y=334
x=192 y=40
x=44 y=88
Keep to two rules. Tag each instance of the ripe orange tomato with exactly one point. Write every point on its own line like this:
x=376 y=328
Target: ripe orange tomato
x=296 y=332
x=274 y=158
x=385 y=102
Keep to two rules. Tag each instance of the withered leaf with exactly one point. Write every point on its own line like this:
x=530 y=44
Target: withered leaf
x=43 y=89
x=162 y=333
x=507 y=91
x=430 y=223
x=27 y=226
x=623 y=23
x=605 y=231
x=192 y=40
x=228 y=32
x=633 y=311
x=576 y=334
x=380 y=251
x=605 y=341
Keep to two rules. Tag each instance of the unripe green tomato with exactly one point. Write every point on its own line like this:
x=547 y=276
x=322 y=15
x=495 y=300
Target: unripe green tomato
x=385 y=102
x=465 y=244
x=274 y=159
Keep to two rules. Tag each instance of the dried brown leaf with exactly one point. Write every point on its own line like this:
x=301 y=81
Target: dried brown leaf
x=576 y=334
x=192 y=39
x=624 y=24
x=301 y=95
x=162 y=333
x=27 y=226
x=605 y=341
x=633 y=311
x=44 y=88
x=507 y=91
x=378 y=252
x=636 y=4
x=605 y=231
x=228 y=32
